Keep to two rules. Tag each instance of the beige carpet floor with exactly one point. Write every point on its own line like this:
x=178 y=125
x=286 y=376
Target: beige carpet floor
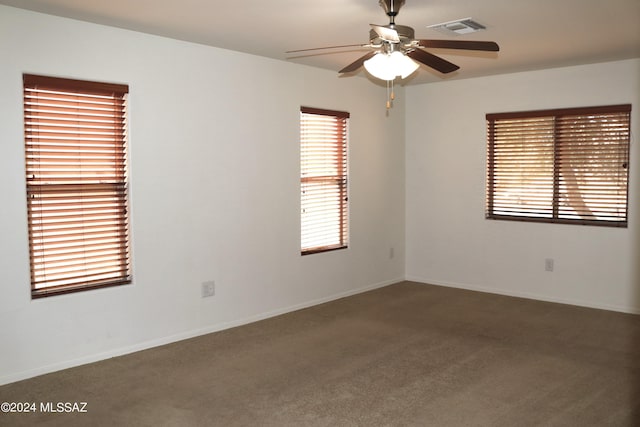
x=405 y=355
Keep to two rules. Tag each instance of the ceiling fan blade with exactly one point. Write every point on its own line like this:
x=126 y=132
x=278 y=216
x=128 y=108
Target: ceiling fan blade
x=432 y=61
x=460 y=44
x=327 y=47
x=357 y=63
x=386 y=33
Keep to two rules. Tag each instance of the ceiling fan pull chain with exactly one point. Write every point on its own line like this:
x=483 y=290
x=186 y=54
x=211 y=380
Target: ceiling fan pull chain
x=388 y=96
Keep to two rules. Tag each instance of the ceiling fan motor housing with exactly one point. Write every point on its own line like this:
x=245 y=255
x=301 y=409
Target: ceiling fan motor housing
x=405 y=34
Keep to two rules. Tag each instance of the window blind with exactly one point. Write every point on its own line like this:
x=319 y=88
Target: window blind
x=568 y=165
x=323 y=179
x=75 y=142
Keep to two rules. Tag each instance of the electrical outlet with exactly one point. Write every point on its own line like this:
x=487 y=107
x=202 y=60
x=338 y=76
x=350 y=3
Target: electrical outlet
x=548 y=264
x=208 y=289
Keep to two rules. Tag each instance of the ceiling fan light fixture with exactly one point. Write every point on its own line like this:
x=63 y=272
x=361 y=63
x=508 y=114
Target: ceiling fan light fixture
x=387 y=66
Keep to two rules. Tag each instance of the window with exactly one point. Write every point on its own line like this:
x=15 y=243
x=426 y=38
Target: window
x=323 y=179
x=75 y=150
x=565 y=166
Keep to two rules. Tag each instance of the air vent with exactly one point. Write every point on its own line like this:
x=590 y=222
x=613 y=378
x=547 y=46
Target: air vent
x=460 y=26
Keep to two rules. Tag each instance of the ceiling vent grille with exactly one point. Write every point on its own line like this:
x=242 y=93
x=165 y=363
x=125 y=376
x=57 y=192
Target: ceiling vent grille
x=460 y=26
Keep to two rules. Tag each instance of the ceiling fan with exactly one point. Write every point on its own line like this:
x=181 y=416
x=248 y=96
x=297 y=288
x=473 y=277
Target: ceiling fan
x=396 y=52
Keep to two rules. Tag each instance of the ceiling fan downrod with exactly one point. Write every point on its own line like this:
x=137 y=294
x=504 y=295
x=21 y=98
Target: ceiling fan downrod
x=391 y=8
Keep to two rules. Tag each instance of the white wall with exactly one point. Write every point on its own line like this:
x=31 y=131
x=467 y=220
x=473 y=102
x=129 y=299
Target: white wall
x=448 y=240
x=214 y=192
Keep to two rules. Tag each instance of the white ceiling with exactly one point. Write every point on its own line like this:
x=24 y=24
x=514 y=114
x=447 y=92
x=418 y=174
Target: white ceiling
x=532 y=34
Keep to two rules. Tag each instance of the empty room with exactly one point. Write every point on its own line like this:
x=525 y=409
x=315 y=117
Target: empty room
x=331 y=213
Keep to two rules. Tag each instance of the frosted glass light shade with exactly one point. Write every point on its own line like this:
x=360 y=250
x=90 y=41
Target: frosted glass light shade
x=385 y=66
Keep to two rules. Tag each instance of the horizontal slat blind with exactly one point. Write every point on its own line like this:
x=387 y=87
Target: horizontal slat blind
x=323 y=182
x=75 y=141
x=593 y=159
x=559 y=165
x=521 y=167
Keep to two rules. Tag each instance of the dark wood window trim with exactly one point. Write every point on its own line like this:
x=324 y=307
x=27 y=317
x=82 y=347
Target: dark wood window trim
x=562 y=166
x=76 y=184
x=323 y=180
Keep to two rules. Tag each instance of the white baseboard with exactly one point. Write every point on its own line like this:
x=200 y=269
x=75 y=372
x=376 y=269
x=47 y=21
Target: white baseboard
x=528 y=295
x=30 y=373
